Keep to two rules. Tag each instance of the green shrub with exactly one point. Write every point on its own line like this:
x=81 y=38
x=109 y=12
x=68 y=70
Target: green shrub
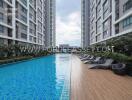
x=15 y=59
x=129 y=60
x=122 y=44
x=119 y=57
x=116 y=56
x=22 y=58
x=6 y=61
x=100 y=54
x=14 y=53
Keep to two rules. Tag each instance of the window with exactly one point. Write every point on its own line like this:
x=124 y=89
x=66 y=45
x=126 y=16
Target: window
x=23 y=36
x=30 y=38
x=98 y=9
x=23 y=27
x=31 y=1
x=1 y=3
x=1 y=41
x=31 y=31
x=127 y=22
x=39 y=26
x=106 y=27
x=40 y=38
x=23 y=18
x=124 y=23
x=1 y=29
x=99 y=26
x=131 y=19
x=1 y=17
x=40 y=4
x=24 y=10
x=117 y=28
x=106 y=8
x=98 y=37
x=127 y=5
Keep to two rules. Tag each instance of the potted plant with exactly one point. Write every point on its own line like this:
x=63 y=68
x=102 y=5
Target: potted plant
x=120 y=67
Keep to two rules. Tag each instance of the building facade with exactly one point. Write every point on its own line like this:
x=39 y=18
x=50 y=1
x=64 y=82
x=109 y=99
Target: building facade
x=123 y=17
x=101 y=20
x=24 y=22
x=51 y=23
x=109 y=18
x=85 y=23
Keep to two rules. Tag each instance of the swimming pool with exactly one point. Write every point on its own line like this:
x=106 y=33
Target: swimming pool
x=46 y=78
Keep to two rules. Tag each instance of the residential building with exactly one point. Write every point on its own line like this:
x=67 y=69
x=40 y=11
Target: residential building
x=85 y=23
x=123 y=17
x=50 y=23
x=108 y=19
x=53 y=17
x=101 y=20
x=24 y=22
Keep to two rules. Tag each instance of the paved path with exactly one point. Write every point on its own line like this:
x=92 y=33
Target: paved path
x=91 y=84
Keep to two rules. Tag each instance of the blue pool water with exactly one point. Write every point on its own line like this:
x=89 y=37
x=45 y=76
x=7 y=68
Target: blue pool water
x=45 y=78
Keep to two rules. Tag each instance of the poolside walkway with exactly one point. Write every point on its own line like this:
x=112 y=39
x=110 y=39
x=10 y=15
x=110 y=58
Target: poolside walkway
x=90 y=84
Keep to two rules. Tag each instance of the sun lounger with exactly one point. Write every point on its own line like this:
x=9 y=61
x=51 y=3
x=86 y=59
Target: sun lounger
x=85 y=58
x=88 y=58
x=106 y=65
x=95 y=61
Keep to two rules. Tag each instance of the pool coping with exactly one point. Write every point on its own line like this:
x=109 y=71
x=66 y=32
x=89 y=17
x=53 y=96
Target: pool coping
x=66 y=93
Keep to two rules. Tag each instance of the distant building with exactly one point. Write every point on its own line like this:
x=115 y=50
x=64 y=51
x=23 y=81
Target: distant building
x=50 y=23
x=85 y=23
x=64 y=46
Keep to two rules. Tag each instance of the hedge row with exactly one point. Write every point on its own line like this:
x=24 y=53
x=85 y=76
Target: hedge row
x=116 y=56
x=15 y=59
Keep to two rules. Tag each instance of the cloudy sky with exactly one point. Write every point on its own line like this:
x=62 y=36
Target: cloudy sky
x=68 y=22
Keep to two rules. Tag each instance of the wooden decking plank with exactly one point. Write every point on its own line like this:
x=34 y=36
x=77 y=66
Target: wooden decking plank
x=90 y=84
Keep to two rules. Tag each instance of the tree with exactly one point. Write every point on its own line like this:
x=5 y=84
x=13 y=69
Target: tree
x=122 y=44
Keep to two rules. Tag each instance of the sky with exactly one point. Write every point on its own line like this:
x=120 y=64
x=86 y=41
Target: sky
x=68 y=22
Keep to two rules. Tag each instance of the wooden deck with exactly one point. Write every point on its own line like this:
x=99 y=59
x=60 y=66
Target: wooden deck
x=91 y=84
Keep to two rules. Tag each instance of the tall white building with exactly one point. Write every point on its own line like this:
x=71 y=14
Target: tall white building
x=109 y=18
x=25 y=22
x=85 y=23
